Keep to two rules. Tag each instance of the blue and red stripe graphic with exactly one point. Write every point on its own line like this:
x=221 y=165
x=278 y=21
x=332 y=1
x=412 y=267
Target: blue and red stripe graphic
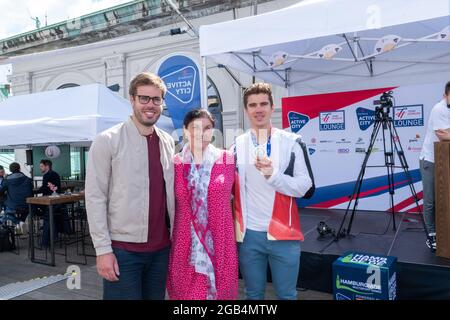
x=333 y=195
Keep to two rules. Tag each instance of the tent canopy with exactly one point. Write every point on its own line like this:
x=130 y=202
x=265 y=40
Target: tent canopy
x=67 y=116
x=333 y=45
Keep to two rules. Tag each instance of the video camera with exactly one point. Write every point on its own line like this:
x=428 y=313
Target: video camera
x=386 y=100
x=385 y=103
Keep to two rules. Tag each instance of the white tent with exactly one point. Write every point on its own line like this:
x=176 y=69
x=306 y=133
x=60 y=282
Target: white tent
x=329 y=45
x=68 y=116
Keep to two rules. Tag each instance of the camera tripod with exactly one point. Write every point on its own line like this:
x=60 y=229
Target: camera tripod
x=391 y=146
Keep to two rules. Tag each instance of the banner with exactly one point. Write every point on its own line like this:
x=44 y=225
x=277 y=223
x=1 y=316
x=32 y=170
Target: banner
x=337 y=127
x=181 y=76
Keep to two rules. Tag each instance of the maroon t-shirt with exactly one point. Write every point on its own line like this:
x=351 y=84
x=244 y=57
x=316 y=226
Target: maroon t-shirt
x=158 y=232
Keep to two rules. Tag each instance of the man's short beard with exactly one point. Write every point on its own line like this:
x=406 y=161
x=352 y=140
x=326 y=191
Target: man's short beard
x=140 y=119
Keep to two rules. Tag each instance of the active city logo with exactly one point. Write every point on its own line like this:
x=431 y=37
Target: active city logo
x=297 y=120
x=366 y=117
x=181 y=84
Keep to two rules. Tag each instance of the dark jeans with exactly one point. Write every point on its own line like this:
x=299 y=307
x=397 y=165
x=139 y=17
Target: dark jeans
x=61 y=223
x=142 y=276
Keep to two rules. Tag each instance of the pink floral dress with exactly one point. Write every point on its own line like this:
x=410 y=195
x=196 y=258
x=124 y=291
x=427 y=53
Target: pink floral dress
x=183 y=282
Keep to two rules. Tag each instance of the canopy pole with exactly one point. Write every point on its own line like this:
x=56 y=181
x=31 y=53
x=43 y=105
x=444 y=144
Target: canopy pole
x=287 y=79
x=204 y=93
x=30 y=165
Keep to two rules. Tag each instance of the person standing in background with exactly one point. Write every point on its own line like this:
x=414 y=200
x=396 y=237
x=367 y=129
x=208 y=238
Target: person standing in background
x=438 y=129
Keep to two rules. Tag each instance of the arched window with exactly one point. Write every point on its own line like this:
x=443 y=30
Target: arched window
x=68 y=85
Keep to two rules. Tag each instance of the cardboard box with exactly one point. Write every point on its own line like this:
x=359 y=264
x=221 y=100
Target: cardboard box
x=364 y=276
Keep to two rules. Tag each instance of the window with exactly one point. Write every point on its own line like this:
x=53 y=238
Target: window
x=6 y=158
x=68 y=85
x=214 y=103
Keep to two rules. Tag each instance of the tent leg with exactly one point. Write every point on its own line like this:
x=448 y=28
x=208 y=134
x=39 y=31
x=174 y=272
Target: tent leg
x=204 y=93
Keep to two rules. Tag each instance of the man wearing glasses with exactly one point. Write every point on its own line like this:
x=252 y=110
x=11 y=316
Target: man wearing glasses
x=129 y=197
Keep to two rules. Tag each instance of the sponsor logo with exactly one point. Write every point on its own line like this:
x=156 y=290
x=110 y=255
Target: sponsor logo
x=344 y=284
x=364 y=259
x=313 y=140
x=408 y=116
x=360 y=141
x=333 y=120
x=360 y=150
x=415 y=139
x=340 y=296
x=326 y=141
x=327 y=150
x=414 y=149
x=297 y=120
x=344 y=150
x=375 y=149
x=366 y=117
x=311 y=151
x=343 y=141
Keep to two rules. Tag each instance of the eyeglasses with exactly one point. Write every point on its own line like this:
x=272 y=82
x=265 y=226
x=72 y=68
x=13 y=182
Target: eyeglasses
x=157 y=101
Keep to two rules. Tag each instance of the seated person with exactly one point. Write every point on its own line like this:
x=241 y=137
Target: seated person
x=18 y=188
x=49 y=176
x=61 y=219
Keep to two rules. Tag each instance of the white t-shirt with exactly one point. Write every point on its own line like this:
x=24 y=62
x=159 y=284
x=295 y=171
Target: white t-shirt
x=260 y=195
x=439 y=119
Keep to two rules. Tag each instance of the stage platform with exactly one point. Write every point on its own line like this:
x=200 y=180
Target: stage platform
x=420 y=273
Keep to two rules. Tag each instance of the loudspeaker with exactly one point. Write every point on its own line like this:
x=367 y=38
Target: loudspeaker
x=29 y=157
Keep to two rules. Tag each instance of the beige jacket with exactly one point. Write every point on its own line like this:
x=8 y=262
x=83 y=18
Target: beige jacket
x=117 y=185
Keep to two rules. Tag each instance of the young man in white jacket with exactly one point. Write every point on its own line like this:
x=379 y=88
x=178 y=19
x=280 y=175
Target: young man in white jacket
x=272 y=173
